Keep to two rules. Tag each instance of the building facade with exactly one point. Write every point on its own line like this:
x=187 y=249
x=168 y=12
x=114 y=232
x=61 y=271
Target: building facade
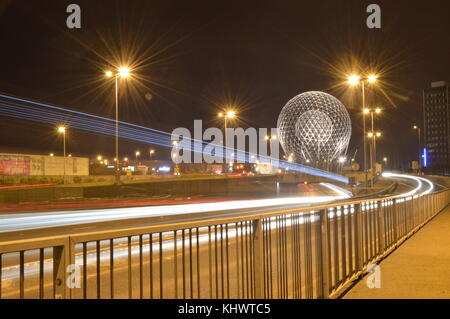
x=436 y=114
x=39 y=165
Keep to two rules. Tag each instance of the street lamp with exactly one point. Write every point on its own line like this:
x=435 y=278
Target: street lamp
x=151 y=154
x=122 y=72
x=137 y=155
x=354 y=80
x=417 y=128
x=373 y=150
x=226 y=115
x=62 y=130
x=270 y=138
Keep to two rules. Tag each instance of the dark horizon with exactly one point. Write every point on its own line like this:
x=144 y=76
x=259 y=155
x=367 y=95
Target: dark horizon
x=255 y=55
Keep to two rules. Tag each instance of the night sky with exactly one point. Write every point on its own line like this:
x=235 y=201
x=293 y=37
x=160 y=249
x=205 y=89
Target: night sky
x=192 y=57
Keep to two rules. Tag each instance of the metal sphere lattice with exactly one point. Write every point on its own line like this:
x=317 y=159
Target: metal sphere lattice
x=315 y=127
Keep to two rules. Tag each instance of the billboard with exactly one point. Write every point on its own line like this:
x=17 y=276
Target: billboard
x=38 y=165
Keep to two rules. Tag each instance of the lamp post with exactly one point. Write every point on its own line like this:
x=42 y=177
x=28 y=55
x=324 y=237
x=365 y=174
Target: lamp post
x=373 y=147
x=62 y=130
x=122 y=72
x=270 y=138
x=354 y=80
x=417 y=128
x=151 y=154
x=137 y=156
x=226 y=115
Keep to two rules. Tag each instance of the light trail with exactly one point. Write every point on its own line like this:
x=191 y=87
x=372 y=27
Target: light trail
x=418 y=180
x=28 y=221
x=56 y=115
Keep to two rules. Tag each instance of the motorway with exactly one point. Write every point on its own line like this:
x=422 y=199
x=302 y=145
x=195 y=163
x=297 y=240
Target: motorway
x=199 y=260
x=41 y=220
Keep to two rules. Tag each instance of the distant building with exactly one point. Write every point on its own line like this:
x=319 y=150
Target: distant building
x=42 y=165
x=436 y=114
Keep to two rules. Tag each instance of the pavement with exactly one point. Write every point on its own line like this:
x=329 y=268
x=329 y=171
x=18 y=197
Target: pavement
x=418 y=269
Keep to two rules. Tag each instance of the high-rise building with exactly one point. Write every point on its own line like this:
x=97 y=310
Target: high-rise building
x=436 y=114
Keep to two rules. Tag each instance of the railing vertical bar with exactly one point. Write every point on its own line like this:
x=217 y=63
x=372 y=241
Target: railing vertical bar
x=210 y=264
x=236 y=226
x=216 y=262
x=1 y=274
x=161 y=274
x=294 y=255
x=336 y=247
x=22 y=274
x=350 y=240
x=285 y=258
x=183 y=259
x=344 y=244
x=325 y=252
x=222 y=262
x=41 y=274
x=150 y=243
x=141 y=272
x=270 y=259
x=130 y=283
x=242 y=241
x=175 y=261
x=191 y=268
x=111 y=266
x=198 y=262
x=228 y=261
x=97 y=250
x=85 y=270
x=252 y=257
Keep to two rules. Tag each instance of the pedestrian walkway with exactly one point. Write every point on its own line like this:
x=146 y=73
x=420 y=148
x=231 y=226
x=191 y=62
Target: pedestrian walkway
x=420 y=268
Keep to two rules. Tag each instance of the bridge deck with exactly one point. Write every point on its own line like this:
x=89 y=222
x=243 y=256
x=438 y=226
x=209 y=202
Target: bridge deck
x=420 y=268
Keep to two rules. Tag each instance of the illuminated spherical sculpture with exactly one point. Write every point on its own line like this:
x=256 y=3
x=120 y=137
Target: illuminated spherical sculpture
x=315 y=127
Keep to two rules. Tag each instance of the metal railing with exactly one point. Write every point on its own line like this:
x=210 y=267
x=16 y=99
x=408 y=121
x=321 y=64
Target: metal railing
x=293 y=253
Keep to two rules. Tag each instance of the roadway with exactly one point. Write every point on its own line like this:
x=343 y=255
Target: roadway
x=67 y=218
x=76 y=221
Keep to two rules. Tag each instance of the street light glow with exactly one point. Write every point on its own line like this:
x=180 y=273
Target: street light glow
x=124 y=72
x=231 y=114
x=372 y=78
x=366 y=111
x=61 y=129
x=108 y=74
x=377 y=110
x=353 y=79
